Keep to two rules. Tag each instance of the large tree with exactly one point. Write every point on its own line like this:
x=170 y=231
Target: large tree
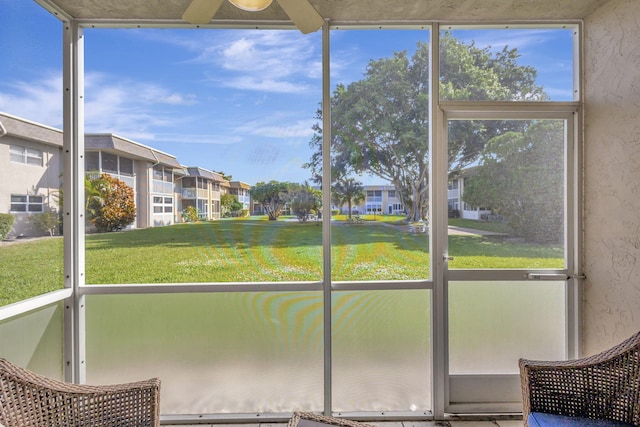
x=521 y=177
x=347 y=191
x=273 y=196
x=380 y=124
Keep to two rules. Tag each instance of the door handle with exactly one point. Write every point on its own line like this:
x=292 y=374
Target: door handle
x=552 y=276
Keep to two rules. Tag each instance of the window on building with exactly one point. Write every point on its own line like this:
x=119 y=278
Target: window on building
x=109 y=163
x=162 y=204
x=126 y=166
x=27 y=156
x=163 y=179
x=162 y=173
x=92 y=161
x=26 y=203
x=374 y=195
x=157 y=173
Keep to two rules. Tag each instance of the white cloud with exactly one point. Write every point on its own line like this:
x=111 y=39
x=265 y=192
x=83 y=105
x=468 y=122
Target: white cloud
x=125 y=107
x=498 y=38
x=265 y=85
x=201 y=139
x=269 y=61
x=128 y=107
x=39 y=101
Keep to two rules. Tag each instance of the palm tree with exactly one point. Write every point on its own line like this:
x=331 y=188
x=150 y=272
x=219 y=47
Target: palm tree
x=94 y=201
x=349 y=191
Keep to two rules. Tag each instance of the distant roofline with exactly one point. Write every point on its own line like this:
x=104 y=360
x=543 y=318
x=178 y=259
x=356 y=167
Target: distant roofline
x=240 y=184
x=114 y=135
x=31 y=122
x=206 y=171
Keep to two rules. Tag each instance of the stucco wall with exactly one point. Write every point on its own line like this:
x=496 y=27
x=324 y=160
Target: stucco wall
x=612 y=175
x=23 y=179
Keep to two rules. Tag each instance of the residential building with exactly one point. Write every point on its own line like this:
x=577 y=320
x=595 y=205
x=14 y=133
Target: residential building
x=153 y=175
x=241 y=191
x=30 y=171
x=379 y=200
x=257 y=208
x=457 y=207
x=201 y=188
x=31 y=174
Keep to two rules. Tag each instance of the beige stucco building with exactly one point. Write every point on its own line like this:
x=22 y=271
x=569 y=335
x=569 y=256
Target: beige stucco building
x=31 y=174
x=201 y=189
x=30 y=171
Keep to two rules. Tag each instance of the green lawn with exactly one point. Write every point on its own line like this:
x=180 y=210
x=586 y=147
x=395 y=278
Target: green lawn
x=241 y=250
x=498 y=227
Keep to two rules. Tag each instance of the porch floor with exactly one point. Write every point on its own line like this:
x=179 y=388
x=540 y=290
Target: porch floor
x=449 y=423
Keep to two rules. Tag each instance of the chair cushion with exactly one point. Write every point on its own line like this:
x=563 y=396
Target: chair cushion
x=539 y=419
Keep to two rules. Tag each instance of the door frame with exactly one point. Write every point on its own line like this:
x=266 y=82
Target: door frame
x=503 y=389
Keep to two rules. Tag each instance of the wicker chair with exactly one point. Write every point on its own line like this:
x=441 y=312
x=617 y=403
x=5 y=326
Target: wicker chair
x=605 y=386
x=29 y=399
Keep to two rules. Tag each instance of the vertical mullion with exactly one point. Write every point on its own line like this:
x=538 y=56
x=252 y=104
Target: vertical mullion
x=73 y=186
x=326 y=217
x=438 y=234
x=574 y=236
x=69 y=206
x=575 y=161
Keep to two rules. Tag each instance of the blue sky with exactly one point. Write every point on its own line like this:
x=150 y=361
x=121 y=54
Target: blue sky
x=242 y=102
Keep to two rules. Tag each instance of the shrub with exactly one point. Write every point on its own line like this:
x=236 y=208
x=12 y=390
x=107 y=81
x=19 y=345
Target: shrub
x=6 y=222
x=46 y=221
x=115 y=207
x=190 y=214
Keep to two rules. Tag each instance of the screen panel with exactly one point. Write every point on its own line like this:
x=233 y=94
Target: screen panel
x=215 y=353
x=382 y=350
x=493 y=324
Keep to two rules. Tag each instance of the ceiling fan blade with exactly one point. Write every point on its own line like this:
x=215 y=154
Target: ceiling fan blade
x=201 y=11
x=303 y=14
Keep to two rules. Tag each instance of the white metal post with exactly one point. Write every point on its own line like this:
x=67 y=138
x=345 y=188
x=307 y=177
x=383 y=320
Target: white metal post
x=438 y=236
x=73 y=188
x=326 y=216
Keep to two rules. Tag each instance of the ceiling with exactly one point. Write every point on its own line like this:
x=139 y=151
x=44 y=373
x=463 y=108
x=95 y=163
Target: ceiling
x=338 y=12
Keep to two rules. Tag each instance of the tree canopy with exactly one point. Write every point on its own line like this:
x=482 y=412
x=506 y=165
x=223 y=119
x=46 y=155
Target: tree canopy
x=230 y=204
x=520 y=176
x=272 y=195
x=380 y=124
